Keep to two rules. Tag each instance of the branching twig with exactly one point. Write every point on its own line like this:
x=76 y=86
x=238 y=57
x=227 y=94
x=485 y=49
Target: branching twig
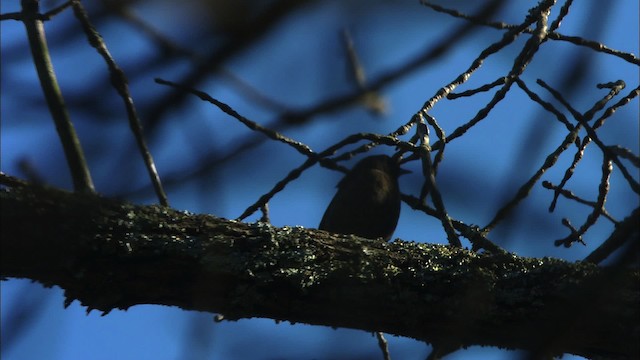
x=576 y=40
x=430 y=184
x=576 y=235
x=320 y=157
x=509 y=37
x=569 y=195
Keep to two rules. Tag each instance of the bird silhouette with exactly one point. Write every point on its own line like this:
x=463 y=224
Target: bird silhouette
x=367 y=202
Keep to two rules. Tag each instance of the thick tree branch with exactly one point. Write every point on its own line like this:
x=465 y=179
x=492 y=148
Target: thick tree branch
x=110 y=254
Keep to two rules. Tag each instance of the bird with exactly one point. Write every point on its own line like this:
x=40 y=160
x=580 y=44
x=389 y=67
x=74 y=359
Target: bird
x=367 y=203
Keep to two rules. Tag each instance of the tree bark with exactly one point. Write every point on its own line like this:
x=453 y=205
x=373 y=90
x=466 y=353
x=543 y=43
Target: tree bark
x=111 y=254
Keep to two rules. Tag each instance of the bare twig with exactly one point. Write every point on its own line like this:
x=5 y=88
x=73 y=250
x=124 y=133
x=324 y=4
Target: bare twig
x=547 y=106
x=372 y=100
x=526 y=187
x=71 y=144
x=623 y=233
x=384 y=346
x=119 y=82
x=300 y=147
x=430 y=184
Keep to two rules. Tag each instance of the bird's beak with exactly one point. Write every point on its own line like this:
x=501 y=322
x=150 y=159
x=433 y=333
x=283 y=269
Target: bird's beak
x=402 y=171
